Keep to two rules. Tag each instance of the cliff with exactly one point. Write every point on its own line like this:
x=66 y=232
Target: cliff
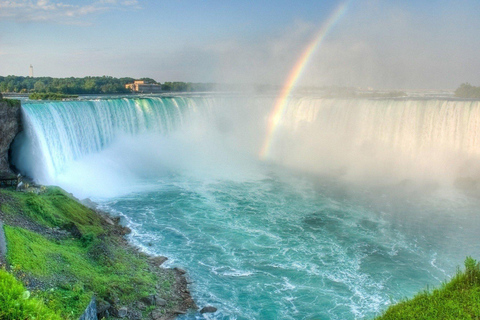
x=10 y=126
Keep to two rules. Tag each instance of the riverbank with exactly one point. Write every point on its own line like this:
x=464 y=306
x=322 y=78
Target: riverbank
x=64 y=253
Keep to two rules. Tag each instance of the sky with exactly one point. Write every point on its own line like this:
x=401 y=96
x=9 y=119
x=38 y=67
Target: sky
x=383 y=44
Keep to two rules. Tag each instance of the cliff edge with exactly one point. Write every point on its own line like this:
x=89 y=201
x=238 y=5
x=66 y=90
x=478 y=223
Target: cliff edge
x=10 y=126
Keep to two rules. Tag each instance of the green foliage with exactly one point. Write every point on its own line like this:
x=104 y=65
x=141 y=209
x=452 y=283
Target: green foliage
x=466 y=90
x=50 y=96
x=457 y=299
x=70 y=269
x=100 y=267
x=15 y=301
x=11 y=102
x=187 y=86
x=87 y=85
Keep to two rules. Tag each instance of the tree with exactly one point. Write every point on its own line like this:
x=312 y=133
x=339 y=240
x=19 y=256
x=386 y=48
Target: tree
x=39 y=86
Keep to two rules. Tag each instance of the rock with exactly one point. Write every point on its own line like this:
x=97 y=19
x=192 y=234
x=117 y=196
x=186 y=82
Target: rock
x=121 y=312
x=208 y=309
x=108 y=221
x=148 y=300
x=10 y=126
x=158 y=260
x=141 y=306
x=102 y=309
x=160 y=302
x=125 y=230
x=156 y=314
x=134 y=315
x=179 y=312
x=180 y=271
x=113 y=300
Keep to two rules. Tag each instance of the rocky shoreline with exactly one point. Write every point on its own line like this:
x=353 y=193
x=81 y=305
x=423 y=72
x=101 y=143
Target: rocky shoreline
x=154 y=306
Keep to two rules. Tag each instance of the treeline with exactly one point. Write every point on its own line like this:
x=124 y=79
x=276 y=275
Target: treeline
x=50 y=96
x=187 y=86
x=466 y=90
x=88 y=85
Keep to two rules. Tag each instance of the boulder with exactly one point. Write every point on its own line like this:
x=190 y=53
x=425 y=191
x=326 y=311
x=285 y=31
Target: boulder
x=180 y=271
x=121 y=312
x=160 y=302
x=208 y=309
x=158 y=260
x=102 y=309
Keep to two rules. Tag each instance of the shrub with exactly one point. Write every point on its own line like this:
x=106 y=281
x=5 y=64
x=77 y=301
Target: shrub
x=15 y=301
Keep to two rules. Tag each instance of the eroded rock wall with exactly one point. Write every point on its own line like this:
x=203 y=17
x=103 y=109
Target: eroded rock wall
x=10 y=126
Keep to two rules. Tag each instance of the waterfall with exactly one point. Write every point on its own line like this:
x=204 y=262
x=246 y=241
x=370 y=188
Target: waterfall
x=58 y=133
x=404 y=139
x=355 y=139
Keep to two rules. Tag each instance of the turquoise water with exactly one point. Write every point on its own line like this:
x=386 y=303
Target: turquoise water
x=360 y=203
x=283 y=246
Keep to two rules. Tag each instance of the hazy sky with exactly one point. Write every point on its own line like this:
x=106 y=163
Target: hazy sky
x=377 y=43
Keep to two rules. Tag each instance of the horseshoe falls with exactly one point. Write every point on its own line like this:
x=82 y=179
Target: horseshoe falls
x=360 y=202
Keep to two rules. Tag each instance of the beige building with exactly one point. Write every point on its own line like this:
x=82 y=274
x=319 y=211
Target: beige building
x=141 y=87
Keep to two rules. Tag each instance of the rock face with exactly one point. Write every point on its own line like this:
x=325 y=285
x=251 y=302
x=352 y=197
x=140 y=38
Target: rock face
x=10 y=126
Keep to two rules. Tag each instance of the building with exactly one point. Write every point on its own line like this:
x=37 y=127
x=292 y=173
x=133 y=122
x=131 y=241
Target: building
x=140 y=86
x=31 y=71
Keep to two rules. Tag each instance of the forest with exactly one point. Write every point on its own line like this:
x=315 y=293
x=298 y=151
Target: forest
x=88 y=85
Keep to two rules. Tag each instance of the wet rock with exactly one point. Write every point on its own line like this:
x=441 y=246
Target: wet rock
x=179 y=312
x=108 y=221
x=158 y=260
x=180 y=271
x=160 y=302
x=208 y=309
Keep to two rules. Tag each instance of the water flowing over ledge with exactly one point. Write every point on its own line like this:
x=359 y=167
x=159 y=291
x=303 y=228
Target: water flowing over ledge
x=354 y=138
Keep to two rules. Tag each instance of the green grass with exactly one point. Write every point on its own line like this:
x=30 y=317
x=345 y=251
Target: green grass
x=53 y=208
x=457 y=299
x=16 y=303
x=70 y=270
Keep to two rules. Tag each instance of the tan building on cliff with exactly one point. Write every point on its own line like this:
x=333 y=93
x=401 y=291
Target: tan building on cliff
x=141 y=87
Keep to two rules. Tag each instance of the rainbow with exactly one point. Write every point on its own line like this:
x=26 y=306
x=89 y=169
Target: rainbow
x=279 y=108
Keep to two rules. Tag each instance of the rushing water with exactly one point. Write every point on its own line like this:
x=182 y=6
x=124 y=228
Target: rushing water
x=356 y=206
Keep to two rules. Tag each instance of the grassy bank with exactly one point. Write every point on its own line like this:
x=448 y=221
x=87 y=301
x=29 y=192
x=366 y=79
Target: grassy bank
x=65 y=253
x=457 y=299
